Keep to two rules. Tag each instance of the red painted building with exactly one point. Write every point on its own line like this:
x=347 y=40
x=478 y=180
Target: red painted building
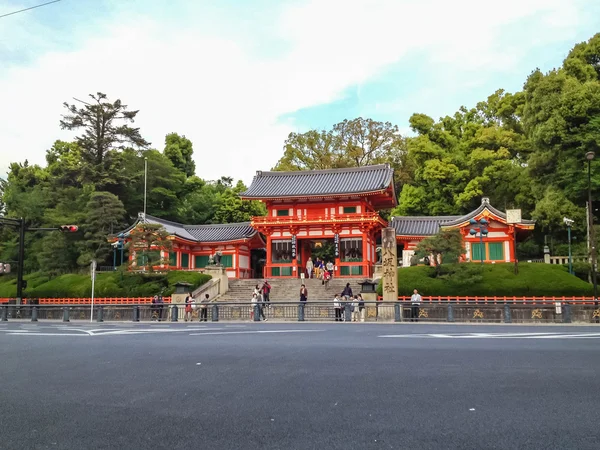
x=311 y=209
x=498 y=244
x=192 y=246
x=335 y=210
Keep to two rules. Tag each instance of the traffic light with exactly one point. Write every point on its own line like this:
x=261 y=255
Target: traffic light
x=6 y=268
x=69 y=228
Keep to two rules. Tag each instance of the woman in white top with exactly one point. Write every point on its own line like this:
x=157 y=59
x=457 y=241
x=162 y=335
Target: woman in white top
x=355 y=313
x=309 y=268
x=258 y=293
x=257 y=301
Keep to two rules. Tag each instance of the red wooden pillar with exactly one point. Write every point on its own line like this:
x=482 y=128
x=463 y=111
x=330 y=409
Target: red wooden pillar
x=269 y=257
x=365 y=249
x=237 y=261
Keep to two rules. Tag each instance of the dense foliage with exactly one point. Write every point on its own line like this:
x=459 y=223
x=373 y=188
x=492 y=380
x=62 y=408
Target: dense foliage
x=111 y=284
x=523 y=150
x=492 y=280
x=97 y=182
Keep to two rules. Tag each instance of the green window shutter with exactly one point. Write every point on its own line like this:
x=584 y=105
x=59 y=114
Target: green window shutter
x=476 y=252
x=496 y=251
x=185 y=260
x=283 y=212
x=141 y=259
x=227 y=260
x=201 y=261
x=173 y=259
x=345 y=270
x=275 y=271
x=356 y=270
x=349 y=209
x=286 y=271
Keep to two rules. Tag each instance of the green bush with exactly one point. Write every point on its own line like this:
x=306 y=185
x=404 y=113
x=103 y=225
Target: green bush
x=534 y=279
x=112 y=284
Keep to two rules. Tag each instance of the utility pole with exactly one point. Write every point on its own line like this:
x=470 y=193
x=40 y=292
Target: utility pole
x=21 y=260
x=590 y=156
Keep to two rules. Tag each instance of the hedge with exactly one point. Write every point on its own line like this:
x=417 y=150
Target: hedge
x=112 y=284
x=534 y=279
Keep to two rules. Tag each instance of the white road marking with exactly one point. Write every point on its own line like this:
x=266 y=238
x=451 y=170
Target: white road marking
x=46 y=334
x=548 y=335
x=255 y=332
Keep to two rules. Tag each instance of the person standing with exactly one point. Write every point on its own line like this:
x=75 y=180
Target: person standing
x=361 y=308
x=415 y=302
x=266 y=291
x=204 y=309
x=160 y=303
x=309 y=268
x=355 y=309
x=154 y=308
x=188 y=308
x=258 y=292
x=303 y=293
x=330 y=269
x=338 y=308
x=317 y=268
x=347 y=292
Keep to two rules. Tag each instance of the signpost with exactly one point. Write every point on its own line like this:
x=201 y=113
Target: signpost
x=93 y=274
x=513 y=217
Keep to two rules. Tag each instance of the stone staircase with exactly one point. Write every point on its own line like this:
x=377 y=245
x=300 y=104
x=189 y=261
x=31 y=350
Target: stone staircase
x=288 y=289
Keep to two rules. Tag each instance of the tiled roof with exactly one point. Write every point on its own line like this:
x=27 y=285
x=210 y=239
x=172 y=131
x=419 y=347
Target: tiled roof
x=201 y=233
x=485 y=204
x=221 y=233
x=430 y=225
x=419 y=225
x=313 y=183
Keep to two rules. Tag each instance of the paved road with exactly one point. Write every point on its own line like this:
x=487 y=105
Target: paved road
x=298 y=386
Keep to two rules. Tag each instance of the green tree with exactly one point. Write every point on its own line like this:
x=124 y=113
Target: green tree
x=105 y=126
x=231 y=208
x=444 y=244
x=104 y=215
x=179 y=150
x=147 y=241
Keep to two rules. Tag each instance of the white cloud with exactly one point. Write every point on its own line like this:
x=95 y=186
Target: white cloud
x=226 y=94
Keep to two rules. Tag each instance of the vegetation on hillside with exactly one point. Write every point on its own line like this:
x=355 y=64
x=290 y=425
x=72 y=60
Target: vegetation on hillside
x=109 y=284
x=534 y=279
x=523 y=150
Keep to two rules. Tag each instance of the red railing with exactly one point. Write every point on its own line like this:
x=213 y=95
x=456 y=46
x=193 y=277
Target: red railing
x=303 y=220
x=88 y=300
x=494 y=300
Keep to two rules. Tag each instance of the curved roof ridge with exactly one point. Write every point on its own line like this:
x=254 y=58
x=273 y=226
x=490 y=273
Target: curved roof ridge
x=312 y=171
x=218 y=225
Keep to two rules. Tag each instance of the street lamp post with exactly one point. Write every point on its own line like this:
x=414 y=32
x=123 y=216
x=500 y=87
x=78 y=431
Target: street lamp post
x=590 y=156
x=483 y=231
x=568 y=223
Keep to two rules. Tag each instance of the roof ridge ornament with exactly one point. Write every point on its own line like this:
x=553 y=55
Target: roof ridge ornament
x=485 y=200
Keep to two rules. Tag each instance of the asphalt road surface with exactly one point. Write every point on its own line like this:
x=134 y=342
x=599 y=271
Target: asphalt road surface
x=298 y=386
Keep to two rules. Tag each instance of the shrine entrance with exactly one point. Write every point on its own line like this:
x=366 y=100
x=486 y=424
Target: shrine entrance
x=323 y=249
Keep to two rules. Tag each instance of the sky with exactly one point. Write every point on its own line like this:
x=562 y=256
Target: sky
x=237 y=76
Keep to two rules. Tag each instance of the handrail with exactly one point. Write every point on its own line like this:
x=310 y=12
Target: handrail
x=206 y=286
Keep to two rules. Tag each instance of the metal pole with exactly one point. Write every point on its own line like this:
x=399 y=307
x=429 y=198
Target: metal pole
x=21 y=260
x=115 y=257
x=515 y=245
x=592 y=233
x=570 y=256
x=93 y=282
x=145 y=182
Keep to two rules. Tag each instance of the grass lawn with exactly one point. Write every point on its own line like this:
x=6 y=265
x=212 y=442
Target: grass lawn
x=108 y=284
x=534 y=279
